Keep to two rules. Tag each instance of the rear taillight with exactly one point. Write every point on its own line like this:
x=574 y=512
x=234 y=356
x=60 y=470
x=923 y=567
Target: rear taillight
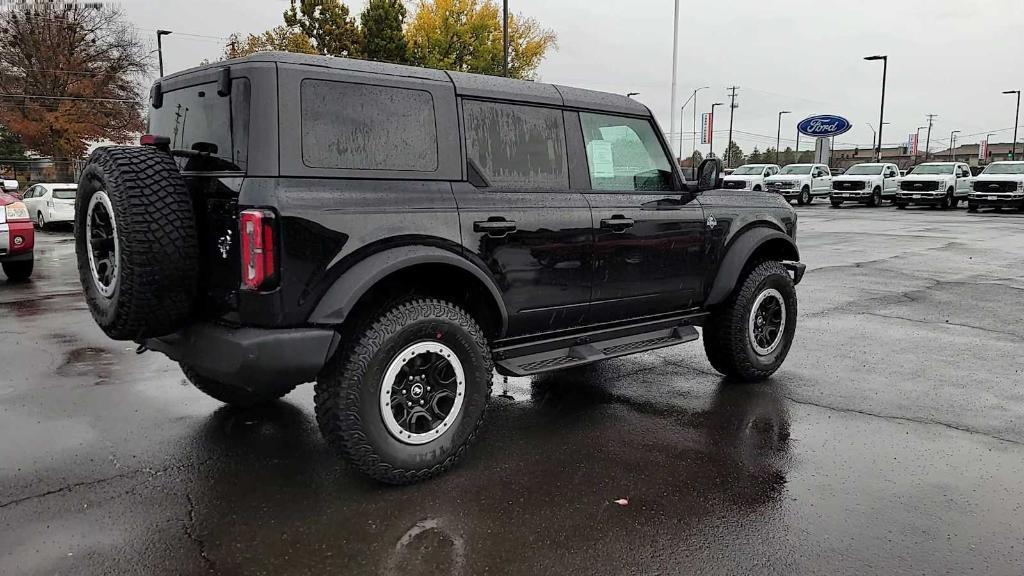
x=259 y=266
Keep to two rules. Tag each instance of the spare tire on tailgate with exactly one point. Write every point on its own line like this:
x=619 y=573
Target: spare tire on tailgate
x=136 y=242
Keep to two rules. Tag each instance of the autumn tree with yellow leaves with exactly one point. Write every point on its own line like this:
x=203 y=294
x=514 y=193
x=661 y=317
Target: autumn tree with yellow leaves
x=462 y=35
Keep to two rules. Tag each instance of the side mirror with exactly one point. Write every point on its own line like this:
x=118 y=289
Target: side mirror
x=709 y=174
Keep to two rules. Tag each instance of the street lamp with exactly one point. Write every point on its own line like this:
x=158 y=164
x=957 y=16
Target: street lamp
x=952 y=135
x=778 y=135
x=1016 y=121
x=711 y=131
x=881 y=113
x=874 y=135
x=988 y=142
x=160 y=48
x=683 y=107
x=917 y=140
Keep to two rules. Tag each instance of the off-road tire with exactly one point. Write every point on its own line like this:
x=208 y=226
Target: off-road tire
x=757 y=188
x=18 y=271
x=348 y=390
x=876 y=198
x=901 y=205
x=836 y=203
x=234 y=395
x=805 y=196
x=158 y=274
x=726 y=339
x=972 y=208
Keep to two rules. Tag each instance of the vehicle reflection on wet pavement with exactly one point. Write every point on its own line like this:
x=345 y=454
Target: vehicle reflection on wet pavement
x=890 y=442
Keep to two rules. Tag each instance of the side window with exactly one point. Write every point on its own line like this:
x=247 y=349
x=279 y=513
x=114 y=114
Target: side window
x=624 y=154
x=366 y=127
x=517 y=147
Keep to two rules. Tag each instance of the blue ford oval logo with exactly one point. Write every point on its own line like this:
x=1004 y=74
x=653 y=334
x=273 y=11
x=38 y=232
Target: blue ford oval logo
x=824 y=126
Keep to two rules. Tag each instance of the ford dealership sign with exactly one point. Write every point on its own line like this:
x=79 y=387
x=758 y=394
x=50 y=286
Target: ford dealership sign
x=824 y=126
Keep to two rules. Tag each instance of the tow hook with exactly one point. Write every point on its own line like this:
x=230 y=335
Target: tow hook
x=797 y=269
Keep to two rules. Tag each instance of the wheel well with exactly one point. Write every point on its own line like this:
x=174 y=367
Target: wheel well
x=433 y=280
x=774 y=249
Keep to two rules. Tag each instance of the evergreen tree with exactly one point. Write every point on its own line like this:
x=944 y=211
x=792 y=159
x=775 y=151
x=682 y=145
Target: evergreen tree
x=755 y=157
x=327 y=23
x=383 y=39
x=733 y=155
x=787 y=157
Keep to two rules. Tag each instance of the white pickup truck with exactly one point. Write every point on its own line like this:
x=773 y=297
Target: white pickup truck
x=801 y=182
x=1001 y=185
x=942 y=184
x=868 y=183
x=749 y=177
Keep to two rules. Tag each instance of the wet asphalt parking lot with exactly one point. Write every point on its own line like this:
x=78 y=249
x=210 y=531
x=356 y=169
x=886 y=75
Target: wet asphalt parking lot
x=891 y=441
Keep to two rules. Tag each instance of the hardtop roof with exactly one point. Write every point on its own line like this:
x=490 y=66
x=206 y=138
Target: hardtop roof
x=465 y=84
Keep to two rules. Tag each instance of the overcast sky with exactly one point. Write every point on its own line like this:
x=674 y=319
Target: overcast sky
x=952 y=58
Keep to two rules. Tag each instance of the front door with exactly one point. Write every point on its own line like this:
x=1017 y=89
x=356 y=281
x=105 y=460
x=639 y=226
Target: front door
x=889 y=182
x=520 y=218
x=648 y=234
x=821 y=181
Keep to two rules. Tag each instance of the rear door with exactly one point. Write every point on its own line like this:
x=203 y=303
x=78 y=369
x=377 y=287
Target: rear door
x=649 y=234
x=521 y=218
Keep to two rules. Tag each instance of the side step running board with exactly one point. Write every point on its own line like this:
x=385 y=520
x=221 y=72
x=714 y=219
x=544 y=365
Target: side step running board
x=535 y=358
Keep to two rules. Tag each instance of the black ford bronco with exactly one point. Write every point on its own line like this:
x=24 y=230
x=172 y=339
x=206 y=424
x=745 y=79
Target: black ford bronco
x=399 y=234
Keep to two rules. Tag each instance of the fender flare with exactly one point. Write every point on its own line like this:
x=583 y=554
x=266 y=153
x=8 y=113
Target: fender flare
x=739 y=252
x=342 y=297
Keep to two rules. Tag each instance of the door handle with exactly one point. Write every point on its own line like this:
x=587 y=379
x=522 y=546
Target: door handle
x=495 y=228
x=617 y=223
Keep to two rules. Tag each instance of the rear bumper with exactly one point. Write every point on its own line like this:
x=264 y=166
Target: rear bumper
x=251 y=358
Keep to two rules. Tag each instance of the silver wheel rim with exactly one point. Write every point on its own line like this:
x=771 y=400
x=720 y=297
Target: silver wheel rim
x=103 y=249
x=422 y=393
x=767 y=323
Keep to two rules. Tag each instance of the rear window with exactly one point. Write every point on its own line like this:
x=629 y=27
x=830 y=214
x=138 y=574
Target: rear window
x=517 y=147
x=196 y=118
x=64 y=193
x=363 y=127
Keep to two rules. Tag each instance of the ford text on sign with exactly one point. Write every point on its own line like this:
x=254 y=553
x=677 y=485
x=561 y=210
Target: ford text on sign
x=824 y=126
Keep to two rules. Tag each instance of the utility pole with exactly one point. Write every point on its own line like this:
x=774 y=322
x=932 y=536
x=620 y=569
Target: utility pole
x=732 y=110
x=952 y=140
x=928 y=138
x=504 y=34
x=160 y=48
x=675 y=74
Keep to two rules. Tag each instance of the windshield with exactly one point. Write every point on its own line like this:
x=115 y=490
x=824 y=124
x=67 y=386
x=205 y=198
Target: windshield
x=196 y=118
x=797 y=169
x=747 y=170
x=865 y=170
x=64 y=193
x=1005 y=169
x=933 y=169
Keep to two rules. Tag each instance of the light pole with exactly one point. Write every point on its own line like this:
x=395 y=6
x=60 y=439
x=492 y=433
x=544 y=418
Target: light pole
x=778 y=136
x=1016 y=121
x=160 y=48
x=504 y=35
x=683 y=107
x=952 y=136
x=874 y=135
x=917 y=140
x=711 y=131
x=675 y=72
x=694 y=117
x=988 y=141
x=881 y=113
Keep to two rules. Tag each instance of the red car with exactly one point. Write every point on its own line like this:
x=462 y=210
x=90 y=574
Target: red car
x=17 y=238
